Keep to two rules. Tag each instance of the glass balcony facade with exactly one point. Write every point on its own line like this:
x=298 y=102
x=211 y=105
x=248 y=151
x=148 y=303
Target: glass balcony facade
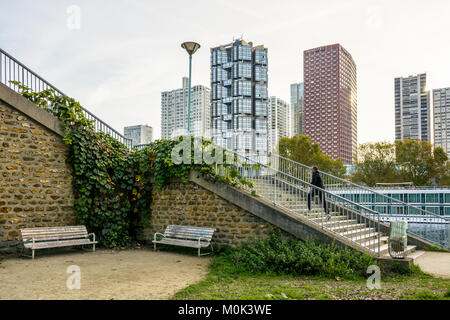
x=239 y=97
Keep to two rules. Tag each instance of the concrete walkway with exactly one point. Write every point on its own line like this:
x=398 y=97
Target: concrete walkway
x=435 y=263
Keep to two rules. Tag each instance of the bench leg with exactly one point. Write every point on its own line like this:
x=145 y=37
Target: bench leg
x=205 y=254
x=154 y=246
x=32 y=254
x=93 y=247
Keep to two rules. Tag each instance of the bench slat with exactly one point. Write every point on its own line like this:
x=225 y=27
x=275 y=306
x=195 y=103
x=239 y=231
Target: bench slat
x=37 y=229
x=184 y=232
x=189 y=228
x=54 y=244
x=187 y=236
x=54 y=233
x=190 y=232
x=59 y=234
x=183 y=243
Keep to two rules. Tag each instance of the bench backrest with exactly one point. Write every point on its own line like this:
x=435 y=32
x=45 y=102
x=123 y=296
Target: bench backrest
x=186 y=232
x=54 y=233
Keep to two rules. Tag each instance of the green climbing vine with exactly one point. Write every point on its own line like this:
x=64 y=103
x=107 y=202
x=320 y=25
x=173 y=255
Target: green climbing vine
x=113 y=185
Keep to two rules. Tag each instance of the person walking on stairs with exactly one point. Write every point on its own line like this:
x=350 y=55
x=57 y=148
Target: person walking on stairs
x=317 y=182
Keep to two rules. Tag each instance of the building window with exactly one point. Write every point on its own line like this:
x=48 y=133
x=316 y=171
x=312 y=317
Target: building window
x=261 y=91
x=260 y=73
x=261 y=56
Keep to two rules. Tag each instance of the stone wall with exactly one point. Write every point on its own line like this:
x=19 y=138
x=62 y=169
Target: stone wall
x=35 y=181
x=190 y=204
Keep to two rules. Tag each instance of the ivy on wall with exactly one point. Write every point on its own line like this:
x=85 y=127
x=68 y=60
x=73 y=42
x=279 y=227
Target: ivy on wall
x=112 y=184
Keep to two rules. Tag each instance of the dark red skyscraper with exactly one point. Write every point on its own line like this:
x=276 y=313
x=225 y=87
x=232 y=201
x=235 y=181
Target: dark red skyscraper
x=330 y=104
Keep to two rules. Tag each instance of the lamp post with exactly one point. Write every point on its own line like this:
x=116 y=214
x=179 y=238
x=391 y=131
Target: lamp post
x=191 y=48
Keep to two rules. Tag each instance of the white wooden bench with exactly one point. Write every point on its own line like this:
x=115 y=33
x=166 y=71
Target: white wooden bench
x=54 y=237
x=193 y=237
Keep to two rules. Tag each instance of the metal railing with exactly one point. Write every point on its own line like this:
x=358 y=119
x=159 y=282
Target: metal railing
x=140 y=146
x=13 y=70
x=387 y=206
x=290 y=175
x=348 y=220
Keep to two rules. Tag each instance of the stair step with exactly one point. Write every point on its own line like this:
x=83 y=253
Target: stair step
x=317 y=216
x=416 y=254
x=409 y=250
x=347 y=227
x=333 y=220
x=384 y=249
x=372 y=243
x=340 y=224
x=363 y=237
x=358 y=231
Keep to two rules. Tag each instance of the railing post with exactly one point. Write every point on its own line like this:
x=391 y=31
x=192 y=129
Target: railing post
x=379 y=236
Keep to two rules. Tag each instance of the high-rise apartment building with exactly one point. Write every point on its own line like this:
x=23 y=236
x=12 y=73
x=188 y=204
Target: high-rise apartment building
x=296 y=109
x=279 y=121
x=141 y=134
x=330 y=102
x=174 y=111
x=239 y=97
x=412 y=108
x=441 y=104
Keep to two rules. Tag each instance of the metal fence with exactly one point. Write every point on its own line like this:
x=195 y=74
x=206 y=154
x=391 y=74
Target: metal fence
x=13 y=70
x=387 y=206
x=276 y=176
x=348 y=220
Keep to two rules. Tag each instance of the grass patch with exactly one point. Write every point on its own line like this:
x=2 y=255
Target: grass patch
x=275 y=269
x=435 y=249
x=447 y=294
x=424 y=295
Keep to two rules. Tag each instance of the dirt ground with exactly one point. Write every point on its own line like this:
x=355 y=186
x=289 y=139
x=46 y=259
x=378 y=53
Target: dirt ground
x=105 y=274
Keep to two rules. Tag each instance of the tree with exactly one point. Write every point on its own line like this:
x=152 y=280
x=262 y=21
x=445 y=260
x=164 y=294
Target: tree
x=375 y=164
x=443 y=178
x=418 y=161
x=302 y=150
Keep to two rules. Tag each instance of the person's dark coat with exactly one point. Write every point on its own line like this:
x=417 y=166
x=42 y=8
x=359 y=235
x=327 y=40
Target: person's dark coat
x=317 y=180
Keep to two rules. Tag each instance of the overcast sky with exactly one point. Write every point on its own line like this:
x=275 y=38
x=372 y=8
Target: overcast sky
x=127 y=51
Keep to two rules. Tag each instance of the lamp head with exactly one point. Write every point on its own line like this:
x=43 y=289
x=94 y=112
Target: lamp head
x=190 y=47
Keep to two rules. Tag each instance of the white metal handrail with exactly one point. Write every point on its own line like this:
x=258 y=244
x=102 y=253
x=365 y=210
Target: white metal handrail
x=353 y=222
x=338 y=184
x=332 y=185
x=12 y=70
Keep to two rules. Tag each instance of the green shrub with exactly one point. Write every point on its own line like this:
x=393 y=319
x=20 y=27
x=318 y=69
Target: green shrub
x=400 y=269
x=285 y=256
x=447 y=294
x=435 y=249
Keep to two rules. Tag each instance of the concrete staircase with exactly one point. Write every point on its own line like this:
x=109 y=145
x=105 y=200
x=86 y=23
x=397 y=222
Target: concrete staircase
x=341 y=222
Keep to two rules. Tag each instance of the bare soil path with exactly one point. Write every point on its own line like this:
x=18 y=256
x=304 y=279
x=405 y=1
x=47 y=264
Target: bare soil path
x=105 y=274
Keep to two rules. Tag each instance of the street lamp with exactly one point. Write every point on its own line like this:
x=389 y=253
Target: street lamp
x=191 y=48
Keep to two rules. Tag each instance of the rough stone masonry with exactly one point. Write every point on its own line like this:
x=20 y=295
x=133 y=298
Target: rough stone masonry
x=36 y=184
x=190 y=204
x=35 y=181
